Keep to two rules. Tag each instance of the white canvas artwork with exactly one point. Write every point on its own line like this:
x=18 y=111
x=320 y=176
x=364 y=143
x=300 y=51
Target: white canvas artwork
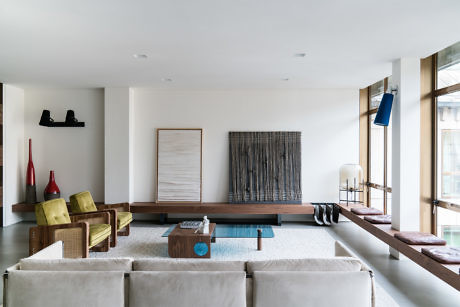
x=179 y=165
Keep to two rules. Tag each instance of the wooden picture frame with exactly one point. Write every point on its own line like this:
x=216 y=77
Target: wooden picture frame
x=179 y=165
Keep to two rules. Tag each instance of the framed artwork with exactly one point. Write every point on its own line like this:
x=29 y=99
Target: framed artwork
x=179 y=159
x=265 y=167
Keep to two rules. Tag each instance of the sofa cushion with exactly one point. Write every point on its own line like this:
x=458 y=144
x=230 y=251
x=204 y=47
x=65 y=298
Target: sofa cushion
x=187 y=289
x=108 y=264
x=419 y=238
x=97 y=233
x=123 y=219
x=348 y=264
x=187 y=265
x=275 y=289
x=38 y=288
x=52 y=251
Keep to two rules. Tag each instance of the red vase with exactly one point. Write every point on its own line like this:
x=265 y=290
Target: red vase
x=31 y=190
x=52 y=190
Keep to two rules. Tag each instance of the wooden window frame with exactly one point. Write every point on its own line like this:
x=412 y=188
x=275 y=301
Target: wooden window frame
x=435 y=142
x=371 y=185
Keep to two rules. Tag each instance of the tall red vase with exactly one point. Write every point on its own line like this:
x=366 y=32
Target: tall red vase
x=31 y=189
x=52 y=190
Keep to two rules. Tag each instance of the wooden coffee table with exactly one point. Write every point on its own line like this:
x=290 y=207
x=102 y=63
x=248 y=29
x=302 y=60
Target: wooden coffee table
x=185 y=243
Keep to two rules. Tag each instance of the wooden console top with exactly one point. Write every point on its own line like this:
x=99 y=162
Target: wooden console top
x=203 y=208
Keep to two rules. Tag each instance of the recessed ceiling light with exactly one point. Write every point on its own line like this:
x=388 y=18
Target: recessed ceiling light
x=166 y=79
x=139 y=56
x=300 y=55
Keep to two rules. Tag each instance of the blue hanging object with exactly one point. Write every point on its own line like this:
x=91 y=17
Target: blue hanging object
x=383 y=114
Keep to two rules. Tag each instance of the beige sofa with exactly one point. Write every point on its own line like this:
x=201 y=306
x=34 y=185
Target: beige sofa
x=46 y=279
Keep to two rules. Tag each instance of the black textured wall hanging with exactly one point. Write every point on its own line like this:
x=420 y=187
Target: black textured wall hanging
x=265 y=167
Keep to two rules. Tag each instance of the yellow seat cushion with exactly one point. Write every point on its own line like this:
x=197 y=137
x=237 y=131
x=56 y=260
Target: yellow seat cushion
x=123 y=219
x=82 y=202
x=52 y=212
x=98 y=233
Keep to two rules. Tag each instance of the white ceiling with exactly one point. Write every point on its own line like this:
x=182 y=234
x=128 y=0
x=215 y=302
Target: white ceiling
x=215 y=44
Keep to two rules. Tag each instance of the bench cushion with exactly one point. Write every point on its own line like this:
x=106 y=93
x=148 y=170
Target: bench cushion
x=187 y=265
x=419 y=238
x=187 y=289
x=378 y=219
x=348 y=264
x=445 y=254
x=366 y=211
x=300 y=289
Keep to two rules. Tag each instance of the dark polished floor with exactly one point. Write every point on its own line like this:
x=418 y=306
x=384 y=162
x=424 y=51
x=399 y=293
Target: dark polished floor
x=405 y=281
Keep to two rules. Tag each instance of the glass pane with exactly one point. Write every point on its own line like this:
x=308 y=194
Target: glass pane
x=448 y=150
x=448 y=222
x=376 y=94
x=376 y=151
x=449 y=66
x=388 y=204
x=376 y=199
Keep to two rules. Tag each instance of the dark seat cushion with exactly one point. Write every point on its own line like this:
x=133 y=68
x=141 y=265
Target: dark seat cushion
x=419 y=238
x=378 y=219
x=366 y=211
x=444 y=254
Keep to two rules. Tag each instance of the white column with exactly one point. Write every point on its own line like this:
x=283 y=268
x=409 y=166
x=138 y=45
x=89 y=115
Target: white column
x=14 y=170
x=118 y=135
x=405 y=208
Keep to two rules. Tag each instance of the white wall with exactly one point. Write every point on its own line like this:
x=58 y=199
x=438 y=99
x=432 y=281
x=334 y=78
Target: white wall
x=75 y=154
x=13 y=152
x=328 y=120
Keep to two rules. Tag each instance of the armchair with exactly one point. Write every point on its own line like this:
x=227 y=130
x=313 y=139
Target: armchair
x=79 y=232
x=83 y=202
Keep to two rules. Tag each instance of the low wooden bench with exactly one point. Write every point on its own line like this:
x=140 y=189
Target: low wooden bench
x=447 y=272
x=206 y=208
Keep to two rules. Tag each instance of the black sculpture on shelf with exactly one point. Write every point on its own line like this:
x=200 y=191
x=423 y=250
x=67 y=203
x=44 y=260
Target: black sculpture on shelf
x=46 y=119
x=70 y=120
x=326 y=213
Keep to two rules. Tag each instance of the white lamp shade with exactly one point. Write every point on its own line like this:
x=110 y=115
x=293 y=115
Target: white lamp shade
x=351 y=176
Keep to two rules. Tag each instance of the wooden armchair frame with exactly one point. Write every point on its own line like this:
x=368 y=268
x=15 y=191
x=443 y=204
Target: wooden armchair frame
x=75 y=235
x=112 y=221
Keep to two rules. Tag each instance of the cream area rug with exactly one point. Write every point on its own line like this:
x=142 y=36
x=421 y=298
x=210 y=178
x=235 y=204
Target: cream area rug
x=290 y=242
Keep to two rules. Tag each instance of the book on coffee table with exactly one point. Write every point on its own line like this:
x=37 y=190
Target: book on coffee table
x=190 y=224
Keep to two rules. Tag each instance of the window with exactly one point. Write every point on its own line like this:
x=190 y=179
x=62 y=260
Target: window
x=448 y=66
x=448 y=226
x=447 y=142
x=379 y=148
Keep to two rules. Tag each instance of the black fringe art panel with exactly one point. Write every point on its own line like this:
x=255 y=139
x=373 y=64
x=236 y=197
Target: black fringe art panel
x=265 y=167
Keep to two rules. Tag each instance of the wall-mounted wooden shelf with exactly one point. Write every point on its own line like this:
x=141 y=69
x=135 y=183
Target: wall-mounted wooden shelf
x=205 y=208
x=64 y=124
